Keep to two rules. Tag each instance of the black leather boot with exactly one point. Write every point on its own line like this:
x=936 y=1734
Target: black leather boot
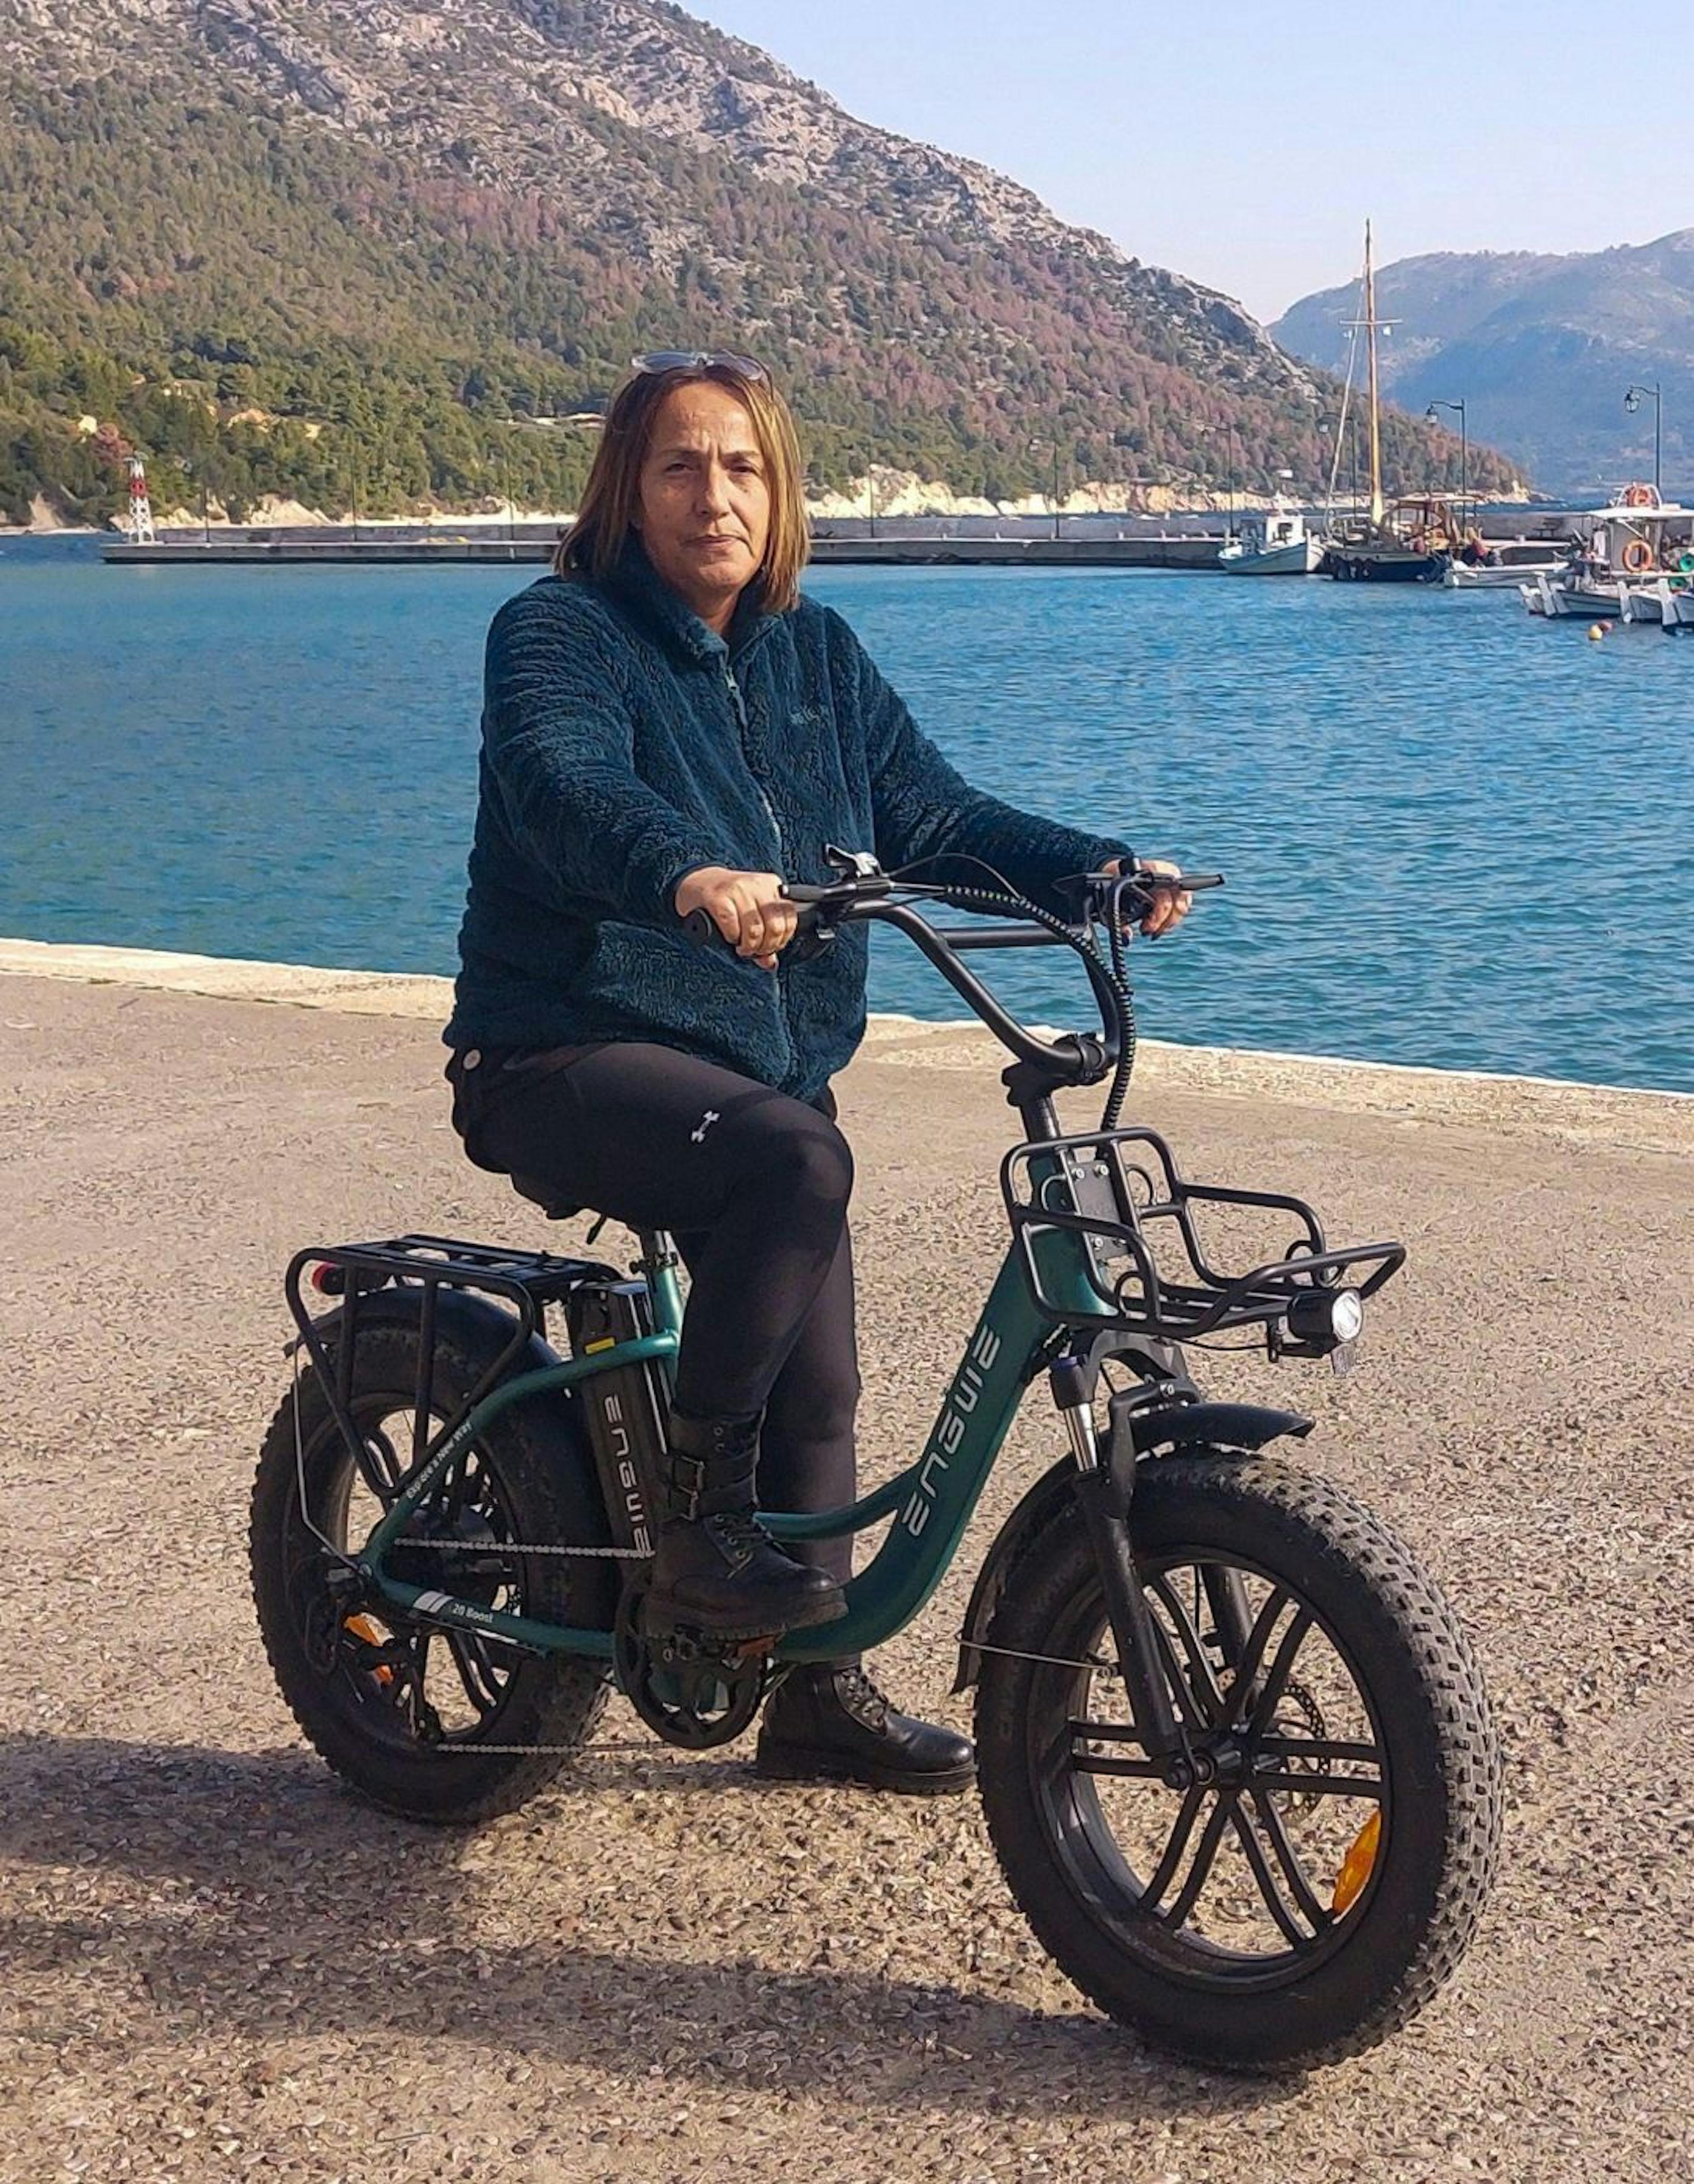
x=715 y=1568
x=830 y=1722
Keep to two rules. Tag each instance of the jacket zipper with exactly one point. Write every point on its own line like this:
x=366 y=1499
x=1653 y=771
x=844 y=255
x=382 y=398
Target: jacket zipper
x=739 y=704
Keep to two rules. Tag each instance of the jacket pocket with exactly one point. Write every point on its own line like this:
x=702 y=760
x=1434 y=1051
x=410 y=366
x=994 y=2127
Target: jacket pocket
x=649 y=983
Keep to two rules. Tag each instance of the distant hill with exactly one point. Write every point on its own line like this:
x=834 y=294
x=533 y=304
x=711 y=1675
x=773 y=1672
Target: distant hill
x=1541 y=349
x=352 y=253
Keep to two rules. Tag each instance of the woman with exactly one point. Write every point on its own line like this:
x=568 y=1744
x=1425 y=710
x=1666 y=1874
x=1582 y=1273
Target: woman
x=670 y=725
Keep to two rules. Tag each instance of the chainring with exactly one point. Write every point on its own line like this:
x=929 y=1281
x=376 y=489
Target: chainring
x=688 y=1687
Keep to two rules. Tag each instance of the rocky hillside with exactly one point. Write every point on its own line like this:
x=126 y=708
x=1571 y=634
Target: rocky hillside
x=1541 y=349
x=361 y=252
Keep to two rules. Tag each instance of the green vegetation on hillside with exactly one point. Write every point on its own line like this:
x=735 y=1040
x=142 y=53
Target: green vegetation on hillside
x=268 y=307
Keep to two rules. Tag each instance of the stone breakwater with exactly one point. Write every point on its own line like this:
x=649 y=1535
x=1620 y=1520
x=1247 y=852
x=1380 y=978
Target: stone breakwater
x=216 y=1962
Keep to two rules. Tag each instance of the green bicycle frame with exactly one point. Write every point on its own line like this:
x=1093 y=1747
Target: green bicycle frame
x=931 y=1501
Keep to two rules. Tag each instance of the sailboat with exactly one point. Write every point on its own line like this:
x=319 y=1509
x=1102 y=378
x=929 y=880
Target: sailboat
x=1411 y=544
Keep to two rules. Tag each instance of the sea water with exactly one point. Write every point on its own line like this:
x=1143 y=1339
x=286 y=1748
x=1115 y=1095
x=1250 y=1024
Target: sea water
x=1453 y=834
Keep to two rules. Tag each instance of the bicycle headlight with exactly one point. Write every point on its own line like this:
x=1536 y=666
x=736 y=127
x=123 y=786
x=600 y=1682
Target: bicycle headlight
x=1326 y=1317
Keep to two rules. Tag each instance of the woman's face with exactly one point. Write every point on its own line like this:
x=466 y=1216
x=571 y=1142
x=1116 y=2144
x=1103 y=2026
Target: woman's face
x=705 y=511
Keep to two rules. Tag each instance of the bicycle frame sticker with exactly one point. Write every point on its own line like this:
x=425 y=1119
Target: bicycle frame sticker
x=948 y=1439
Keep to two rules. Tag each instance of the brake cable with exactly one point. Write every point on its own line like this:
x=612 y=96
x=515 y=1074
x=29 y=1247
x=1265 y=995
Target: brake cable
x=1115 y=972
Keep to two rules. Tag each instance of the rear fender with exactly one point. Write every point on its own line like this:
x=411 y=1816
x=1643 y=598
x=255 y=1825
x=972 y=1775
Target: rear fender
x=476 y=1325
x=548 y=1428
x=1135 y=1434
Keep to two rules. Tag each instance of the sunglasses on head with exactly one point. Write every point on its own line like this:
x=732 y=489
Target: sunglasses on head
x=697 y=359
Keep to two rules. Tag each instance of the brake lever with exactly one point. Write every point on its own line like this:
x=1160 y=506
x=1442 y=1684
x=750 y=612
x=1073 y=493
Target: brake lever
x=1142 y=881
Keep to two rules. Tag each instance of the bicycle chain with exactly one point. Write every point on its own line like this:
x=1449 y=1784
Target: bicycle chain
x=518 y=1547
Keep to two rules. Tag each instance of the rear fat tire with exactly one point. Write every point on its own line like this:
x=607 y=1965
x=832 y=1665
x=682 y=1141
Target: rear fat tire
x=1439 y=1759
x=540 y=1470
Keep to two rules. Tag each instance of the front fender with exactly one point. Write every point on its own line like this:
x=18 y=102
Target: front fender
x=1135 y=1434
x=1211 y=1425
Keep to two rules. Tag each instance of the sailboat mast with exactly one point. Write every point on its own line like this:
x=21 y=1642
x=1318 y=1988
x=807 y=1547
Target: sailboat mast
x=1377 y=509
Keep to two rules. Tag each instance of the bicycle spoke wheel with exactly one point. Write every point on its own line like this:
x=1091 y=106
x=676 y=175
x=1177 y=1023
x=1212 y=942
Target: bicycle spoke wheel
x=439 y=1723
x=1315 y=1873
x=1247 y=1868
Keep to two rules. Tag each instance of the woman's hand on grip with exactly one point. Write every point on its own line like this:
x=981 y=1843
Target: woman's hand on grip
x=1169 y=906
x=746 y=908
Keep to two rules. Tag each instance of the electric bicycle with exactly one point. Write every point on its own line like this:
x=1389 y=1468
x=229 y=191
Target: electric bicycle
x=1234 y=1750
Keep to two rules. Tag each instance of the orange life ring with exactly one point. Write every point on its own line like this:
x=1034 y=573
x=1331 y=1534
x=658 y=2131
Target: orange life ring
x=1636 y=557
x=1638 y=496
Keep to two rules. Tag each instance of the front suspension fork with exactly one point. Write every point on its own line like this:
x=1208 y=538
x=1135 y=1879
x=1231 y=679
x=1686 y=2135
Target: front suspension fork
x=1105 y=1498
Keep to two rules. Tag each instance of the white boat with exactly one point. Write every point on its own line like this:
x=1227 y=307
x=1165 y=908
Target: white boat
x=1513 y=562
x=1279 y=546
x=1639 y=553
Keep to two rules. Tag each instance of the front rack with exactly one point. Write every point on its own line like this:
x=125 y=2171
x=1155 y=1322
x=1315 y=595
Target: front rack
x=1125 y=1211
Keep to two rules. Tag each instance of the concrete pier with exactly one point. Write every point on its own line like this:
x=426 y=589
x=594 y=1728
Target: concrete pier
x=1176 y=551
x=219 y=1963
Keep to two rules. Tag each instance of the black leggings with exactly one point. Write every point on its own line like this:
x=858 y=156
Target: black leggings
x=753 y=1185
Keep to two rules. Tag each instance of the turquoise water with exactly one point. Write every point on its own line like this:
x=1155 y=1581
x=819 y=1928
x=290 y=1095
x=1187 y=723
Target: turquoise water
x=1453 y=835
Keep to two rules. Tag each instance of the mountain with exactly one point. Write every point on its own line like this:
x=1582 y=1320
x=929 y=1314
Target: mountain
x=1540 y=350
x=375 y=254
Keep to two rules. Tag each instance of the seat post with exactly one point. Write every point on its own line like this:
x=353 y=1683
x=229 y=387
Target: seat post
x=659 y=1262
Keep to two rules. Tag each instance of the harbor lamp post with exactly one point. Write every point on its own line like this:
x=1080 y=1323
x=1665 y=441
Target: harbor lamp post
x=1632 y=402
x=1464 y=447
x=1035 y=449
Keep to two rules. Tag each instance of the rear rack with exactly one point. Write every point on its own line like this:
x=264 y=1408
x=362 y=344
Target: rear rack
x=528 y=1281
x=1122 y=1208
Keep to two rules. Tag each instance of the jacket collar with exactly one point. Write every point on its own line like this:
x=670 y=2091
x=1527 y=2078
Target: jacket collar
x=644 y=594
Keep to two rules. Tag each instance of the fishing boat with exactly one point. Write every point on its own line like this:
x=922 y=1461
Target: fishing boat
x=1638 y=555
x=1408 y=544
x=1279 y=546
x=1413 y=542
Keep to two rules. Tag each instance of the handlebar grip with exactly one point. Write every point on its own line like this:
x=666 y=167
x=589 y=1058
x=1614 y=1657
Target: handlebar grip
x=700 y=926
x=1143 y=883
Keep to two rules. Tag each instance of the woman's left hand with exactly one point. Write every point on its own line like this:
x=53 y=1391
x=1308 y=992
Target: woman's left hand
x=1169 y=906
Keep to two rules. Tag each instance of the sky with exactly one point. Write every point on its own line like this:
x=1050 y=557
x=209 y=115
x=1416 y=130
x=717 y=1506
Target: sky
x=1243 y=141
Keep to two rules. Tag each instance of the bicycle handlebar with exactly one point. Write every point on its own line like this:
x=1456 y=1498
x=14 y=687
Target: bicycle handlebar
x=1078 y=1058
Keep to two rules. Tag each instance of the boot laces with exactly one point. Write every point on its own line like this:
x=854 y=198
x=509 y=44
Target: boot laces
x=737 y=1534
x=860 y=1698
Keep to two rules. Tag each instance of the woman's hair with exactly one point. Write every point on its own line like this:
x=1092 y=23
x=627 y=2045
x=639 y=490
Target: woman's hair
x=611 y=498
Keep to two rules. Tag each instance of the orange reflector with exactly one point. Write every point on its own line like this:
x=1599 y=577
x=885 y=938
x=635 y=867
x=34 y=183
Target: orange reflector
x=361 y=1626
x=1356 y=1866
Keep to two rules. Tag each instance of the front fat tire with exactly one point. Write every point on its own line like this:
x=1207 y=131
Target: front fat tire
x=1439 y=1758
x=543 y=1476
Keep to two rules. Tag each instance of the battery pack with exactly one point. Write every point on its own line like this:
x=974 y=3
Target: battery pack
x=623 y=1409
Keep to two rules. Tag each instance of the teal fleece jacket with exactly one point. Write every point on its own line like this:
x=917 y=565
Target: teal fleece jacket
x=624 y=745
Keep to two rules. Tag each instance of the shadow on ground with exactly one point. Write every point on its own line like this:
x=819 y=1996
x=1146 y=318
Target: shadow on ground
x=249 y=1892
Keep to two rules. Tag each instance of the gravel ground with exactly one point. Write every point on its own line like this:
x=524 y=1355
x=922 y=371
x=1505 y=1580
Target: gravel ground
x=217 y=1964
